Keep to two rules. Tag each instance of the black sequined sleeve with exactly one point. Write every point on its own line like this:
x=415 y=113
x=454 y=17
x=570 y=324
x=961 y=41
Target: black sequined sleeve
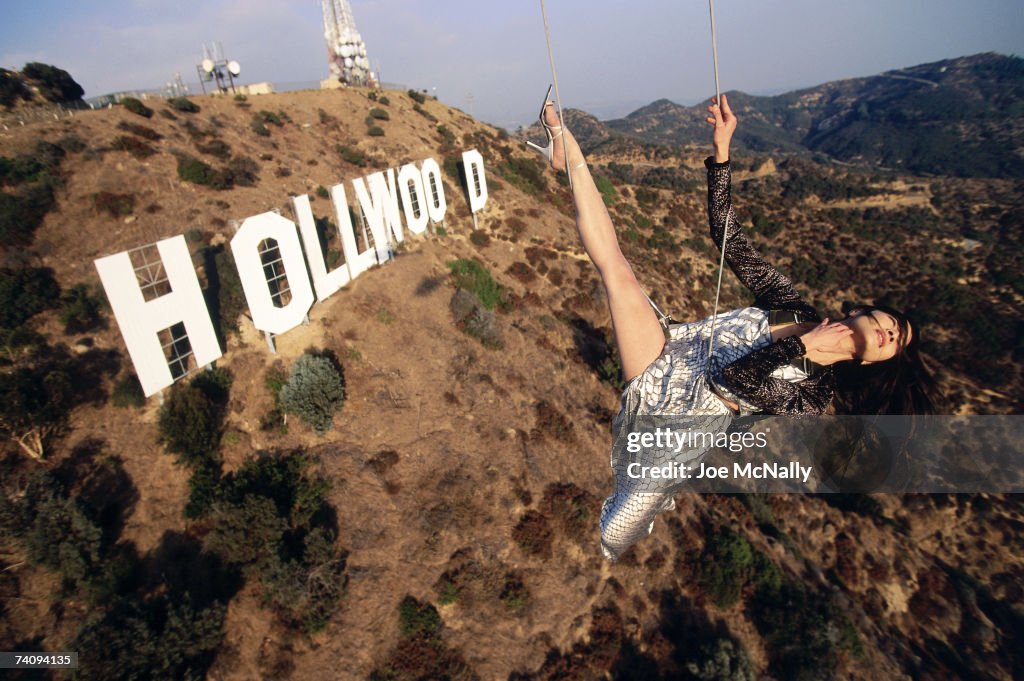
x=772 y=290
x=750 y=378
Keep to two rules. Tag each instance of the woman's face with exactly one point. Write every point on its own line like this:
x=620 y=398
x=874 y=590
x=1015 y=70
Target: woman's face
x=877 y=335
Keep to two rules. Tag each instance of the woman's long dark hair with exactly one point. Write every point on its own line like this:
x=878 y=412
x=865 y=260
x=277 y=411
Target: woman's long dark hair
x=901 y=385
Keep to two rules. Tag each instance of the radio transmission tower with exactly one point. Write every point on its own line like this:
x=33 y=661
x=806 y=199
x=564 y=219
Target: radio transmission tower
x=346 y=52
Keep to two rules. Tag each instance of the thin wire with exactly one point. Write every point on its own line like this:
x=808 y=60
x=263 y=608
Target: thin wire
x=725 y=228
x=558 y=96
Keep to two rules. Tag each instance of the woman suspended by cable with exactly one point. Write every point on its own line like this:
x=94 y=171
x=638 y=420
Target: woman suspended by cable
x=778 y=356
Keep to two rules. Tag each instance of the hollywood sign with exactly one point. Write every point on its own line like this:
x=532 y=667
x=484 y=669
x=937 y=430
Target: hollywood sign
x=146 y=323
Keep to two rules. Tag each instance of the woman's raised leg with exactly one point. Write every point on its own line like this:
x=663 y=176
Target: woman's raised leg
x=638 y=334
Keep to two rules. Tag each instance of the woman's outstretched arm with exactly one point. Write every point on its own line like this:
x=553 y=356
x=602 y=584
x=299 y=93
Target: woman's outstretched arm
x=771 y=288
x=638 y=334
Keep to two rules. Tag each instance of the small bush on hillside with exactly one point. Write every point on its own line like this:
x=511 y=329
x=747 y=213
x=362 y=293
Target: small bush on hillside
x=305 y=591
x=470 y=275
x=183 y=104
x=114 y=205
x=134 y=146
x=21 y=213
x=127 y=392
x=270 y=117
x=380 y=114
x=258 y=127
x=242 y=171
x=230 y=296
x=163 y=637
x=140 y=130
x=25 y=293
x=417 y=97
x=19 y=170
x=215 y=148
x=447 y=138
x=353 y=156
x=473 y=319
x=137 y=107
x=191 y=418
x=314 y=392
x=384 y=101
x=375 y=131
x=80 y=310
x=423 y=112
x=326 y=118
x=193 y=170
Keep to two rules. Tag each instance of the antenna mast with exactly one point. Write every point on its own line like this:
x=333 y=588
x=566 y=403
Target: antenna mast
x=346 y=52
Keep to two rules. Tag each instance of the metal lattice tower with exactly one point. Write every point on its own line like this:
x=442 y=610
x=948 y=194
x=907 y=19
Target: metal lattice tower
x=346 y=52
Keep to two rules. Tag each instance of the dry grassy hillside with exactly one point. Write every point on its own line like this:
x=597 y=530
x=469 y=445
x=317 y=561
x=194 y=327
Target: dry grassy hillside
x=463 y=479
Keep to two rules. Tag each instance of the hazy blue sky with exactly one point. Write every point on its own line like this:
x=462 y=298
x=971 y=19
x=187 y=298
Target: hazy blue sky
x=489 y=55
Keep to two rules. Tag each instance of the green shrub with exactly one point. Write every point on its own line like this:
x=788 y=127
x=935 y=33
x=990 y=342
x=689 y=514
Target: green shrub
x=25 y=293
x=137 y=107
x=134 y=146
x=80 y=310
x=191 y=169
x=722 y=660
x=163 y=637
x=140 y=131
x=380 y=114
x=269 y=117
x=247 y=534
x=306 y=591
x=258 y=127
x=127 y=392
x=114 y=205
x=34 y=404
x=423 y=112
x=21 y=213
x=417 y=97
x=15 y=171
x=183 y=104
x=607 y=189
x=190 y=422
x=230 y=296
x=314 y=392
x=447 y=138
x=242 y=171
x=727 y=565
x=275 y=379
x=384 y=101
x=416 y=619
x=375 y=131
x=289 y=479
x=240 y=98
x=322 y=192
x=470 y=275
x=12 y=88
x=64 y=539
x=526 y=174
x=353 y=156
x=215 y=148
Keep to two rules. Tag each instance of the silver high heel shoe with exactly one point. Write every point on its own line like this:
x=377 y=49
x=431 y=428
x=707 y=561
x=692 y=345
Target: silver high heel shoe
x=550 y=130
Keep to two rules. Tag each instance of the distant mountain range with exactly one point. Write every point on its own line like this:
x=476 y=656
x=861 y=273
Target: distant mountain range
x=961 y=117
